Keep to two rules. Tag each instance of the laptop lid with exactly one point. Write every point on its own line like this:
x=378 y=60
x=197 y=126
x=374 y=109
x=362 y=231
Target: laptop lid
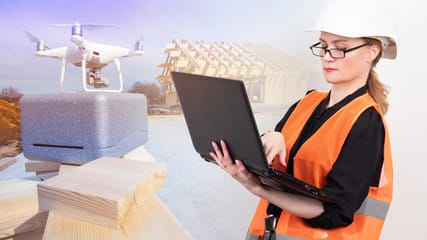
x=218 y=108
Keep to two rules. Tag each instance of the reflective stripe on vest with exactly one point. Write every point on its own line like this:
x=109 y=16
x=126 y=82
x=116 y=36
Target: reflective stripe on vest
x=250 y=236
x=374 y=208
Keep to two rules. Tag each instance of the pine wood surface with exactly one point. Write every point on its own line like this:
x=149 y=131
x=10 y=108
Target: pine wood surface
x=150 y=220
x=19 y=211
x=101 y=191
x=140 y=154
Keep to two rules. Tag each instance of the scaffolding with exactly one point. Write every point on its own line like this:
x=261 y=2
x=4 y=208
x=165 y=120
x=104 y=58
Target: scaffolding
x=271 y=76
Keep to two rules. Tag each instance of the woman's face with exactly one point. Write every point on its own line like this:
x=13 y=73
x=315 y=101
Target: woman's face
x=354 y=67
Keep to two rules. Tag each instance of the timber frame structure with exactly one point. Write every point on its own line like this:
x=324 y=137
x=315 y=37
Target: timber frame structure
x=271 y=75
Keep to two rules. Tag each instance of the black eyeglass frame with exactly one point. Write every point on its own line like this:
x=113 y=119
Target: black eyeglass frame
x=344 y=51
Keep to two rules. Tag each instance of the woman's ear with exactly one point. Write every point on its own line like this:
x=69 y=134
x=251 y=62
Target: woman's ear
x=374 y=50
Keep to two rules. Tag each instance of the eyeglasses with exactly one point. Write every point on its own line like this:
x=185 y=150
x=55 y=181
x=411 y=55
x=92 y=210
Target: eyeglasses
x=333 y=52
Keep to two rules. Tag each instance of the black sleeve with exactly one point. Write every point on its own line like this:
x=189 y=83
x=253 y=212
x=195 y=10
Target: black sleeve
x=357 y=168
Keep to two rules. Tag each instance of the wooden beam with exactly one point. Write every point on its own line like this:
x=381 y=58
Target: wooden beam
x=41 y=166
x=6 y=162
x=150 y=220
x=19 y=210
x=101 y=191
x=140 y=154
x=36 y=234
x=153 y=220
x=67 y=228
x=66 y=167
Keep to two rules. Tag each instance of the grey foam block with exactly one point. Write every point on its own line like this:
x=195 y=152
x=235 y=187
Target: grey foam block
x=76 y=128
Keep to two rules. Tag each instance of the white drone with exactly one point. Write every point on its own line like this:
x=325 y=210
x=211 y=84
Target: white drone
x=90 y=56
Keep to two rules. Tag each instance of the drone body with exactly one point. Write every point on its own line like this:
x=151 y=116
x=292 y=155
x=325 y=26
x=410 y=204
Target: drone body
x=90 y=56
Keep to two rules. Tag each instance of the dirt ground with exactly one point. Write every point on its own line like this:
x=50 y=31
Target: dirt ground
x=10 y=130
x=10 y=148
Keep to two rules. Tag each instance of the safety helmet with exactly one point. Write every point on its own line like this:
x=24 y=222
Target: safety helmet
x=356 y=19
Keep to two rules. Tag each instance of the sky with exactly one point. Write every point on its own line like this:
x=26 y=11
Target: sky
x=280 y=23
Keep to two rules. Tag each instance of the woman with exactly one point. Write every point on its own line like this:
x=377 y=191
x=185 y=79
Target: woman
x=337 y=141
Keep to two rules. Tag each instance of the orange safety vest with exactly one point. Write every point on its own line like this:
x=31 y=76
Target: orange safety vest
x=312 y=163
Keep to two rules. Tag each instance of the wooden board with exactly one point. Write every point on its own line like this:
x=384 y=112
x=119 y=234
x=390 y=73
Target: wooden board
x=41 y=166
x=151 y=220
x=101 y=191
x=140 y=154
x=65 y=167
x=36 y=234
x=66 y=228
x=19 y=211
x=6 y=162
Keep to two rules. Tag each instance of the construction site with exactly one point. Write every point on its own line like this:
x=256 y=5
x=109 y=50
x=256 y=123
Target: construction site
x=271 y=75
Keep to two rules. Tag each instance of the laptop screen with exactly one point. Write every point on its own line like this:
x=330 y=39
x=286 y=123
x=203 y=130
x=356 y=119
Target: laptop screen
x=218 y=108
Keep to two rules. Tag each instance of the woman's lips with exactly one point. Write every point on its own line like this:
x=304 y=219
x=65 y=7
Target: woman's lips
x=329 y=69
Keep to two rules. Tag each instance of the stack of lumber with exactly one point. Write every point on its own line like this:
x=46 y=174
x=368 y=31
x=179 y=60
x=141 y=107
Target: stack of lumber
x=109 y=198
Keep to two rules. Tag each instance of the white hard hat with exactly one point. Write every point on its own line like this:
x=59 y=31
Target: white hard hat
x=357 y=19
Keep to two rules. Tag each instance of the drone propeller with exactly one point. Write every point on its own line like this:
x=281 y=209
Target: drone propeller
x=77 y=28
x=41 y=46
x=88 y=26
x=32 y=38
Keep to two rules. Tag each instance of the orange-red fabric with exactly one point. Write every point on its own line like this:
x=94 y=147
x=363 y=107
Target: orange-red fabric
x=315 y=159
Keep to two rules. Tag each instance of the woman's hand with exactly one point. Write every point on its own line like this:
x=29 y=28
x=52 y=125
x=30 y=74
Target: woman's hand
x=237 y=170
x=274 y=144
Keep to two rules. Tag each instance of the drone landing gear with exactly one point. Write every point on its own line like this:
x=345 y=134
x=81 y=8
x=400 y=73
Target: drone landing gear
x=94 y=79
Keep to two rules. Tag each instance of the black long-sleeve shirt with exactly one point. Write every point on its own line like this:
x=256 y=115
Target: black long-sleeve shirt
x=358 y=165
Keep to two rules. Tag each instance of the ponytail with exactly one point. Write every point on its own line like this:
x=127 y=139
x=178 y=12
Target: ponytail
x=376 y=88
x=378 y=91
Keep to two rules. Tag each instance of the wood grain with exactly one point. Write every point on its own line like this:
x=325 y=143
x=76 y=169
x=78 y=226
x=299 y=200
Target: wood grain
x=151 y=220
x=101 y=191
x=19 y=208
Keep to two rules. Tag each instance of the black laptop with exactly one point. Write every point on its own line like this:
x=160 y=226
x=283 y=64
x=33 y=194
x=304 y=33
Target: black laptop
x=218 y=108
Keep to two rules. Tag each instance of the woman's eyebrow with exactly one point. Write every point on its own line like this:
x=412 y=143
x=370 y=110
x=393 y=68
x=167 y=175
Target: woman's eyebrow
x=334 y=41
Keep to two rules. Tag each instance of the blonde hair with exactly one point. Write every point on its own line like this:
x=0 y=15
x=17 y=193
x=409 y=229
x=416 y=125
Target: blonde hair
x=376 y=88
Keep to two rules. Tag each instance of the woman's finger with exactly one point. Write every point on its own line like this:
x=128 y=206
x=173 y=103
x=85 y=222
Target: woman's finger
x=225 y=150
x=218 y=152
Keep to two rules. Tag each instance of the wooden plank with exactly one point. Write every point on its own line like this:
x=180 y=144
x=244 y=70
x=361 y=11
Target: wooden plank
x=41 y=166
x=6 y=162
x=38 y=173
x=140 y=154
x=65 y=167
x=65 y=228
x=150 y=220
x=101 y=191
x=19 y=208
x=153 y=220
x=36 y=234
